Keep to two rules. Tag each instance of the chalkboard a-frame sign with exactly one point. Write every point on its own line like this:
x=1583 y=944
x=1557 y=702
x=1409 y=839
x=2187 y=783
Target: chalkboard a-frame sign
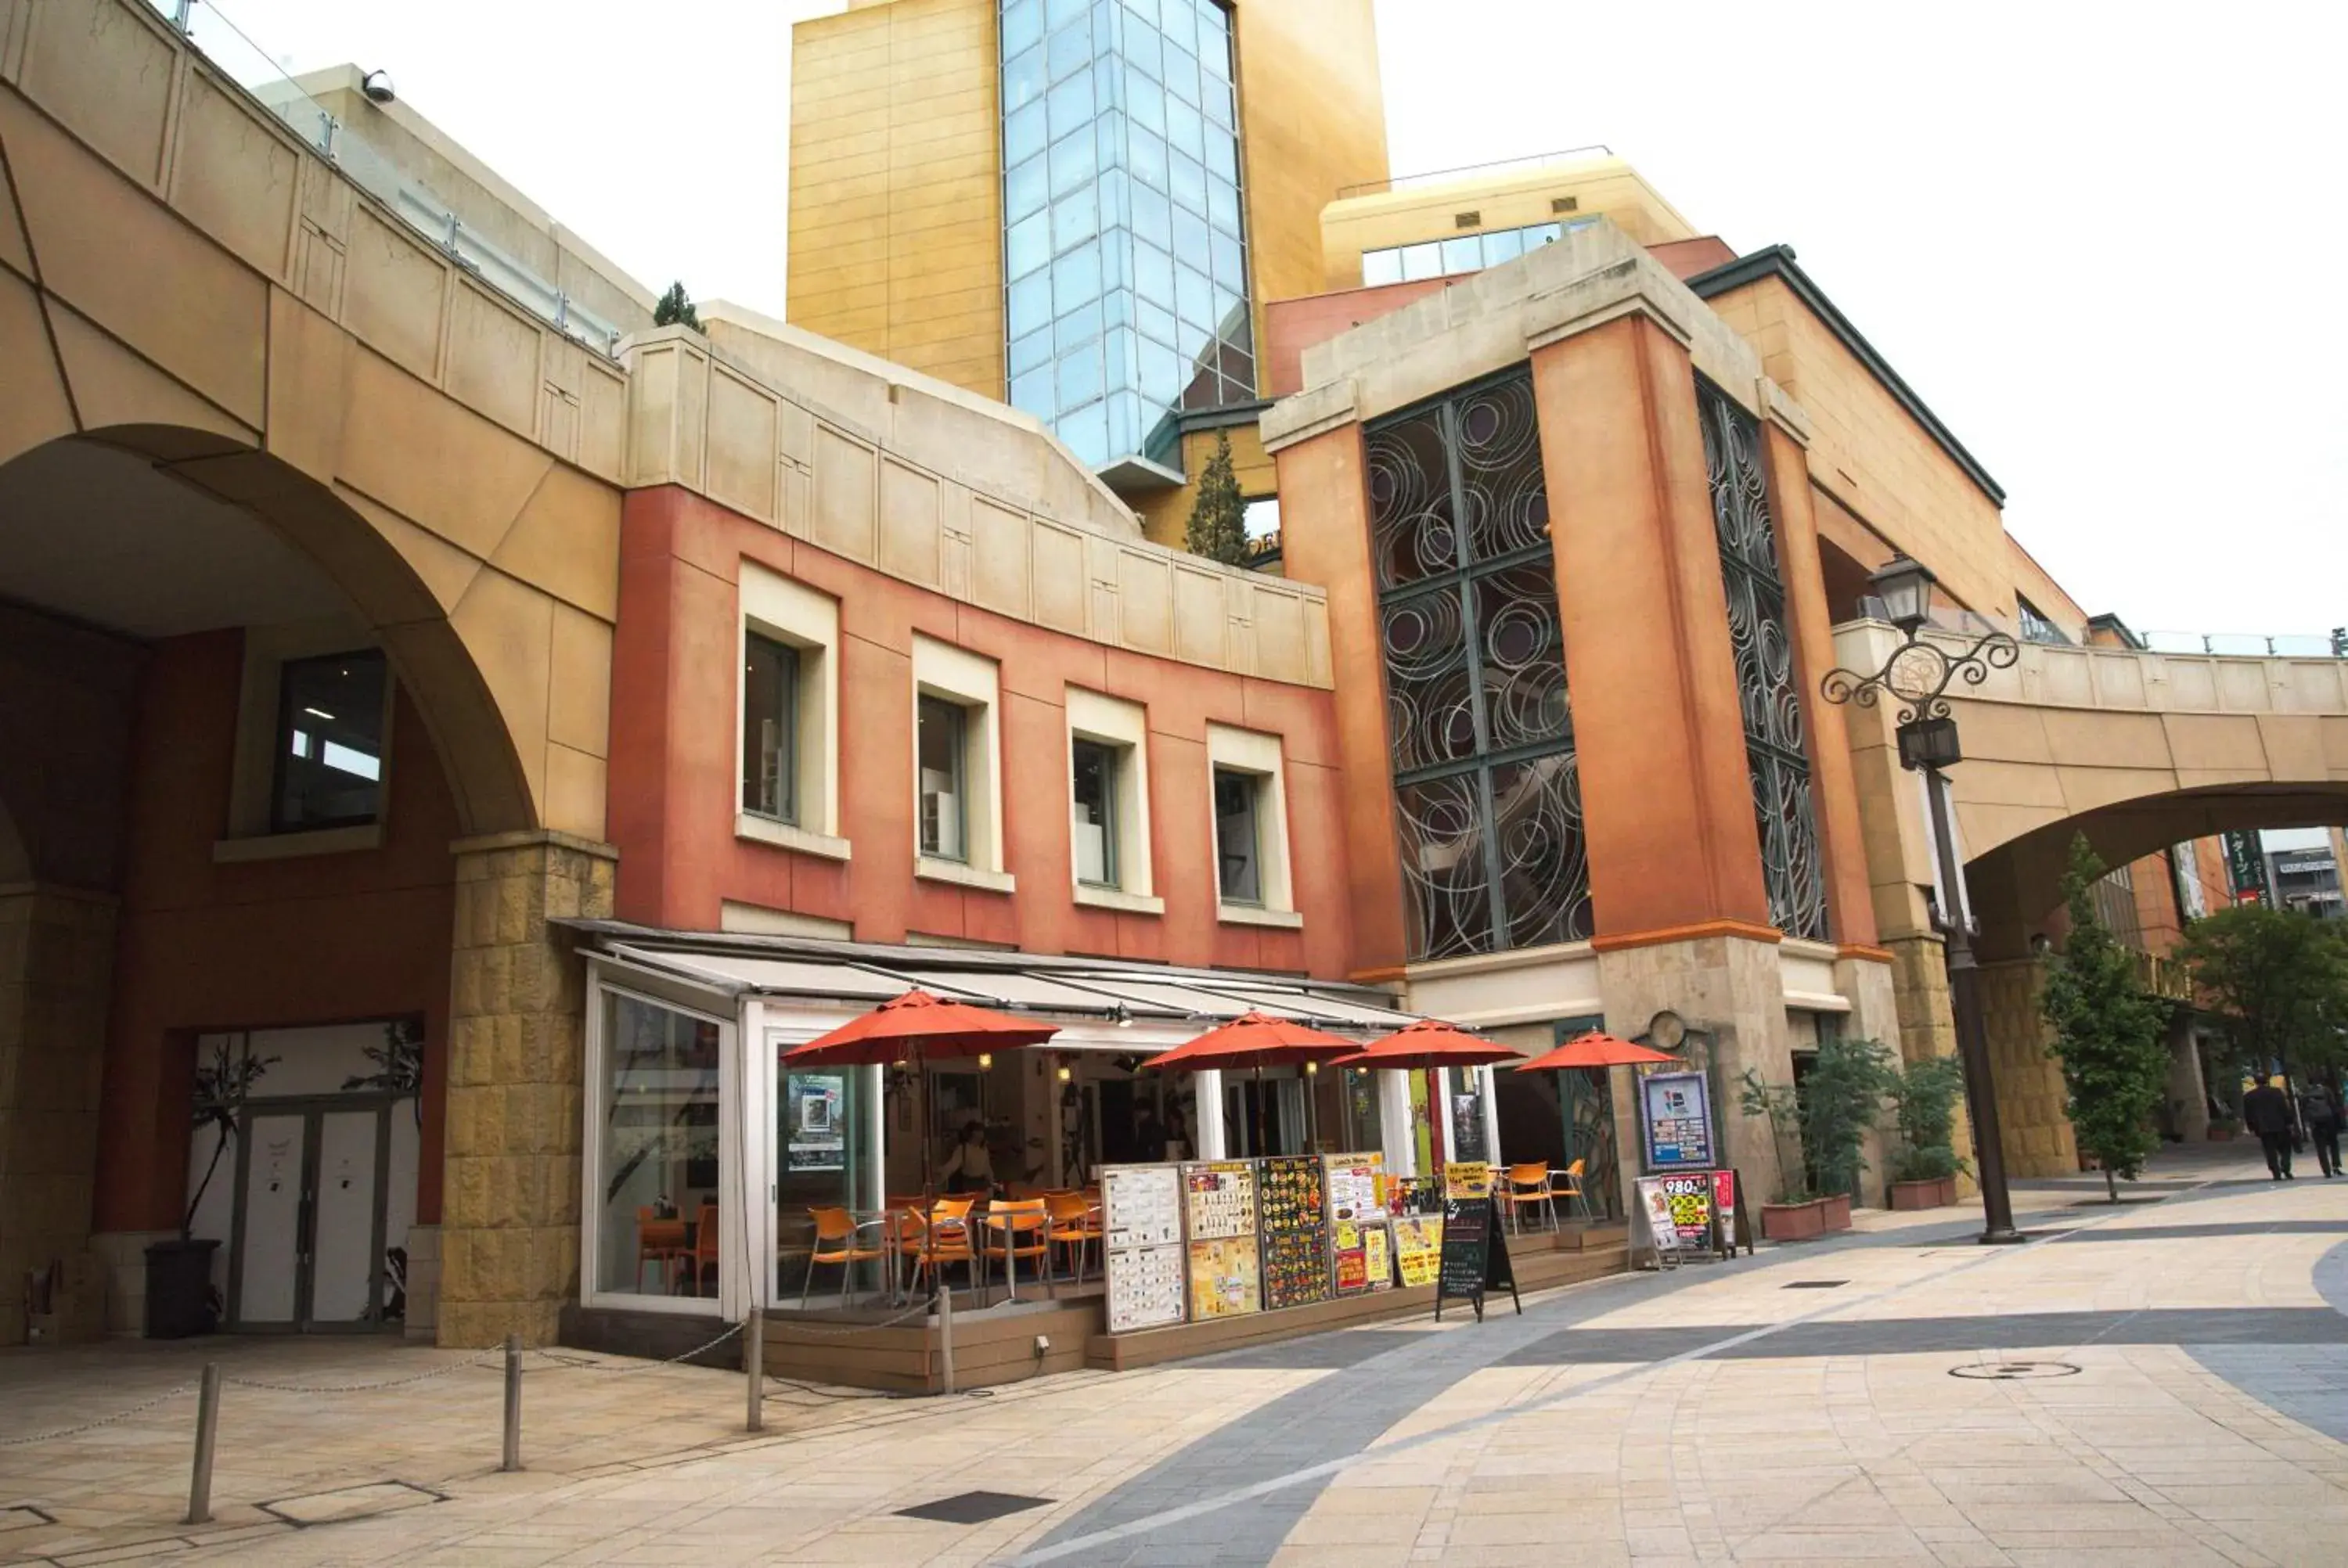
x=1475 y=1256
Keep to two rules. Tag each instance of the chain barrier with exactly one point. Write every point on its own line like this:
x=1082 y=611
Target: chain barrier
x=579 y=1364
x=483 y=1359
x=164 y=1398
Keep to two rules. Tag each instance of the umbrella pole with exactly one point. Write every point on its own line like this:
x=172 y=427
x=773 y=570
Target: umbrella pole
x=1256 y=1143
x=1435 y=1111
x=929 y=1177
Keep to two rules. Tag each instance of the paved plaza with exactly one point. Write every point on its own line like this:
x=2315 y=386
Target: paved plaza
x=2162 y=1382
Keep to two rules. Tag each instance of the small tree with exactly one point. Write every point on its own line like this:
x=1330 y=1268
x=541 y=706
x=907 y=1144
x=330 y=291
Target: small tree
x=1925 y=1093
x=1777 y=1102
x=2280 y=978
x=222 y=1086
x=675 y=308
x=1218 y=525
x=1841 y=1096
x=2107 y=1032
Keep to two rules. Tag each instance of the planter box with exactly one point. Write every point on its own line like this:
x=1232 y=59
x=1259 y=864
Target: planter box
x=1836 y=1211
x=1934 y=1194
x=1795 y=1222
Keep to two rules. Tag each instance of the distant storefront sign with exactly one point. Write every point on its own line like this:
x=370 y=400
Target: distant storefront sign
x=1675 y=1117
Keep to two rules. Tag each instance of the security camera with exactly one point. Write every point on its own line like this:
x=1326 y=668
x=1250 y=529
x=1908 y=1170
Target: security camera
x=376 y=85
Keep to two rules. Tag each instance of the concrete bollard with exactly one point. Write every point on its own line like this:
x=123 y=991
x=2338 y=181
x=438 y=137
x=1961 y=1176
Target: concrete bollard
x=754 y=1367
x=512 y=1459
x=200 y=1483
x=946 y=1340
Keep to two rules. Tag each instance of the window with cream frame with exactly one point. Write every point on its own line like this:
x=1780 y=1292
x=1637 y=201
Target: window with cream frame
x=1247 y=793
x=1108 y=800
x=957 y=767
x=271 y=729
x=789 y=633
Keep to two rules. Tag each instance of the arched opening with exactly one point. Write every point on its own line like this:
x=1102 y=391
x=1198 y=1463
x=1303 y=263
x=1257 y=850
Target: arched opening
x=238 y=734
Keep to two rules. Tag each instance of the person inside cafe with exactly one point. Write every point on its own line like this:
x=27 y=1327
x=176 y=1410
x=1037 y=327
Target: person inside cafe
x=970 y=1168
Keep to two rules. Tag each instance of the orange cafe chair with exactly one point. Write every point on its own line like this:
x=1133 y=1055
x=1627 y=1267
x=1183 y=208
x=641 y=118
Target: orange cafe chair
x=662 y=1242
x=704 y=1248
x=836 y=1233
x=1015 y=1228
x=1567 y=1185
x=1528 y=1188
x=950 y=1244
x=1070 y=1214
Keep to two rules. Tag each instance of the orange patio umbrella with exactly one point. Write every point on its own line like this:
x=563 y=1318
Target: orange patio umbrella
x=1430 y=1045
x=1256 y=1041
x=1594 y=1048
x=915 y=1029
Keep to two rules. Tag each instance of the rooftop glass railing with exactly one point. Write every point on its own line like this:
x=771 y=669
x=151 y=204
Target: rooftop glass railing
x=235 y=55
x=2333 y=645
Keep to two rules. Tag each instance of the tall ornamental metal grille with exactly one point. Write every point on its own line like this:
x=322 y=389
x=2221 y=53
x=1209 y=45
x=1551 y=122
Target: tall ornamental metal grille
x=1487 y=800
x=1776 y=745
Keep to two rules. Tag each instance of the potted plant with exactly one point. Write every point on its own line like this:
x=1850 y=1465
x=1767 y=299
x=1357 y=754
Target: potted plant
x=179 y=1272
x=1924 y=1095
x=2222 y=1128
x=1839 y=1100
x=1796 y=1214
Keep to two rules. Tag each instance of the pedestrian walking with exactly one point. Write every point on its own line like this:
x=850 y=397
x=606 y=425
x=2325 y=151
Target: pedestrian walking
x=2266 y=1111
x=2319 y=1111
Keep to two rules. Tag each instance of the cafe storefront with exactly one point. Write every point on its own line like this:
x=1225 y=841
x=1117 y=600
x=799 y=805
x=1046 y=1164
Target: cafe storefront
x=705 y=1153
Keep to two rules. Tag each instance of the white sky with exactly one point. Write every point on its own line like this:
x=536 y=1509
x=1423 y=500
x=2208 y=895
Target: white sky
x=2093 y=237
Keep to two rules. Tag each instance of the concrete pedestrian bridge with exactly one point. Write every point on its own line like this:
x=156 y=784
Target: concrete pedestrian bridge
x=2138 y=750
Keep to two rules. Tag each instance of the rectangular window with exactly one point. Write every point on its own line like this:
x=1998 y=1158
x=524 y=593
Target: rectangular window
x=657 y=1117
x=1094 y=829
x=2036 y=626
x=943 y=763
x=1760 y=635
x=770 y=727
x=1239 y=836
x=1488 y=801
x=329 y=741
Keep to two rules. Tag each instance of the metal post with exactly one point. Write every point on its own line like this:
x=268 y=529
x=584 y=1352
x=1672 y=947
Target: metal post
x=199 y=1481
x=1972 y=1035
x=946 y=1340
x=513 y=1460
x=754 y=1365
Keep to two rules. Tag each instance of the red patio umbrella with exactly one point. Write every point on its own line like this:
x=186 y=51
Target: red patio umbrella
x=1594 y=1048
x=917 y=1028
x=1256 y=1041
x=1430 y=1045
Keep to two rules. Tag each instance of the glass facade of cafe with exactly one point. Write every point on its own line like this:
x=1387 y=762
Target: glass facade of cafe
x=703 y=1149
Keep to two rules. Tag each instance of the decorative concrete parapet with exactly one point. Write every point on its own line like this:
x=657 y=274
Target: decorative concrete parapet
x=517 y=1073
x=1497 y=318
x=907 y=489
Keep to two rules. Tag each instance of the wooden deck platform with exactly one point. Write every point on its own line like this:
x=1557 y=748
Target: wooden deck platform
x=995 y=1345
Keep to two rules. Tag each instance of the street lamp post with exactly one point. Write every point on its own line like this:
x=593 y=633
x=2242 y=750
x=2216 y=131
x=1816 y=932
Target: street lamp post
x=1916 y=678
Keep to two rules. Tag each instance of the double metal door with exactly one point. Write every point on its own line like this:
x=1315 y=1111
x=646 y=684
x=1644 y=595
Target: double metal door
x=307 y=1255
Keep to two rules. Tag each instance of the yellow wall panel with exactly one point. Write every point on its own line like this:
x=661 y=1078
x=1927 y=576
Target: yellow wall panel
x=896 y=202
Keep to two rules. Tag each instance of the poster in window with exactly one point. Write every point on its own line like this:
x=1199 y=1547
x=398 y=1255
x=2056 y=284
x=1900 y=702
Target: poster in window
x=816 y=1122
x=1418 y=1246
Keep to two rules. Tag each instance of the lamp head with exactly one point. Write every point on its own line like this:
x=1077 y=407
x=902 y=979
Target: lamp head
x=1905 y=587
x=376 y=85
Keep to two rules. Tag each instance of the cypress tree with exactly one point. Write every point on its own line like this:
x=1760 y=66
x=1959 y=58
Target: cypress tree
x=675 y=307
x=1218 y=525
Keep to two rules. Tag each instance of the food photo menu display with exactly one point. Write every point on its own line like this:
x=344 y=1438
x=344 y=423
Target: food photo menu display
x=1219 y=1199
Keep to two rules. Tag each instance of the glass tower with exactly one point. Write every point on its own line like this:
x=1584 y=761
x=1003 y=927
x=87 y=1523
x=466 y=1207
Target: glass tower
x=1125 y=257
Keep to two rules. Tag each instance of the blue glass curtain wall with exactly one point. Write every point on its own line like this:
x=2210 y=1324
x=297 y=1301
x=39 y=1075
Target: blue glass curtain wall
x=1125 y=253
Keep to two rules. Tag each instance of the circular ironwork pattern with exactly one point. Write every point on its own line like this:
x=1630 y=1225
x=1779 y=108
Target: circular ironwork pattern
x=1488 y=803
x=1917 y=675
x=1777 y=741
x=2015 y=1371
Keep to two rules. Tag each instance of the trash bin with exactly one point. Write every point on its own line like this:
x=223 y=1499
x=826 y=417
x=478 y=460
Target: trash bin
x=180 y=1288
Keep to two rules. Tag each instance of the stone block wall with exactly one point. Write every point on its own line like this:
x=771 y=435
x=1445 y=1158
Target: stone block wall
x=2030 y=1095
x=56 y=965
x=510 y=1213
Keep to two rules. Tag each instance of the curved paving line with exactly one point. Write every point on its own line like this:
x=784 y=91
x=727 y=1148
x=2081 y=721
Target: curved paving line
x=1303 y=1438
x=2308 y=1383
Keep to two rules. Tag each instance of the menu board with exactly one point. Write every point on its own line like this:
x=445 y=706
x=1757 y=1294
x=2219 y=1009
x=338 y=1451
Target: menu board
x=1675 y=1118
x=1690 y=1200
x=1141 y=1230
x=1293 y=1212
x=1291 y=1198
x=1142 y=1205
x=1362 y=1258
x=1223 y=1278
x=1418 y=1246
x=1295 y=1267
x=1352 y=1186
x=1146 y=1288
x=1219 y=1199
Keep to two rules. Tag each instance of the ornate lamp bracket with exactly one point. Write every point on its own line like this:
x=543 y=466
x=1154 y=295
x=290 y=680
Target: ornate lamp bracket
x=1915 y=680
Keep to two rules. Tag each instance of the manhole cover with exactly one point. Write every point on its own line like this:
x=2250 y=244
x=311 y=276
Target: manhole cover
x=1813 y=1284
x=2011 y=1371
x=351 y=1502
x=973 y=1507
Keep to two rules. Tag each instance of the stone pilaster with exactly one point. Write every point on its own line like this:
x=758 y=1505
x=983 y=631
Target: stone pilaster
x=56 y=968
x=2188 y=1091
x=2031 y=1100
x=1920 y=991
x=1730 y=988
x=509 y=1204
